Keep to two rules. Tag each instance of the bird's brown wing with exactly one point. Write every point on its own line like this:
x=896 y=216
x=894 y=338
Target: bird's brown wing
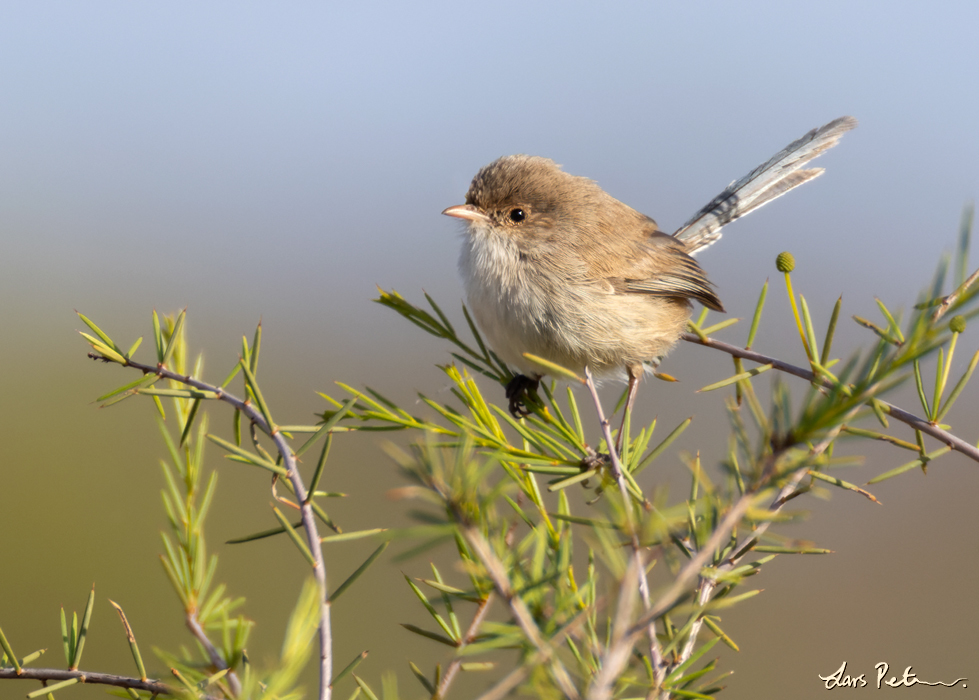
x=654 y=263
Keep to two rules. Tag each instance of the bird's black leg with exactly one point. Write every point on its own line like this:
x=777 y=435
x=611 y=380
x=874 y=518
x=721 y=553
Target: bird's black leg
x=517 y=391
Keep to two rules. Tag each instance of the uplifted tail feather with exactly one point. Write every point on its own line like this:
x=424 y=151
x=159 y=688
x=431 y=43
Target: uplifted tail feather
x=768 y=181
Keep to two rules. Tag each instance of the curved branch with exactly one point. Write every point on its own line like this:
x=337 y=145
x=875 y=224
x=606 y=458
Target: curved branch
x=308 y=518
x=943 y=436
x=218 y=661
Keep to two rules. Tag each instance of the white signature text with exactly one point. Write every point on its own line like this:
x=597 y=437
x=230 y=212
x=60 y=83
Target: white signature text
x=841 y=679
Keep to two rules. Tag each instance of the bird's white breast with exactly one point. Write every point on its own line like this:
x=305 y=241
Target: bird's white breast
x=505 y=301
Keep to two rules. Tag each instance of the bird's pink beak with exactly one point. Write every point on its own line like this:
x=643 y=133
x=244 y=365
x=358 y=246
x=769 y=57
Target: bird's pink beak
x=466 y=211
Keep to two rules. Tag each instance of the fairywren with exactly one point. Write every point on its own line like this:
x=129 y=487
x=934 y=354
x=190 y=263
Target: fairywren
x=555 y=267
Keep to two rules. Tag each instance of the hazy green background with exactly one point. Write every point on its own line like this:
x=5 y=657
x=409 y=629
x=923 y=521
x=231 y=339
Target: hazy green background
x=253 y=160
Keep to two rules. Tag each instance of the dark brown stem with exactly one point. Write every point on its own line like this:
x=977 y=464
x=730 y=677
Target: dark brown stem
x=91 y=678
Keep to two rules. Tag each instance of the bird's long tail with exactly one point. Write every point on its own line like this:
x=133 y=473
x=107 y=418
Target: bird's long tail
x=769 y=180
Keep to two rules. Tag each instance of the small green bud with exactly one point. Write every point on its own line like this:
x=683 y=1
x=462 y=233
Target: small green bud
x=785 y=262
x=957 y=324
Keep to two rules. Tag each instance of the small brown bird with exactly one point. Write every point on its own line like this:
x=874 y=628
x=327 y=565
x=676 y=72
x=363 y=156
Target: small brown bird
x=555 y=267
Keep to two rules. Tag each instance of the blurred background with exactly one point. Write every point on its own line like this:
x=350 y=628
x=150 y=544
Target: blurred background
x=277 y=161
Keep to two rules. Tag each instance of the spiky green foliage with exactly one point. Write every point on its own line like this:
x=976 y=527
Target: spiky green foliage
x=617 y=594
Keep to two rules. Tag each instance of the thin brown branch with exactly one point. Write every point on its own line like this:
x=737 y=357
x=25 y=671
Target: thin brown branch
x=617 y=656
x=91 y=678
x=517 y=675
x=471 y=632
x=655 y=652
x=954 y=296
x=707 y=586
x=308 y=517
x=218 y=661
x=525 y=620
x=943 y=436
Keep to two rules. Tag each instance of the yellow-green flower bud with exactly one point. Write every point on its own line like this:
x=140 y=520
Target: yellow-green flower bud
x=785 y=262
x=957 y=324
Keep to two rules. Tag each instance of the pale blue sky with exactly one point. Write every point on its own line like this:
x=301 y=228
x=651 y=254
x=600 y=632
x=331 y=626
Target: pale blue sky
x=315 y=145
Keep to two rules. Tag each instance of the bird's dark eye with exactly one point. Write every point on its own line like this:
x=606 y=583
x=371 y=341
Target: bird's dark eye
x=517 y=215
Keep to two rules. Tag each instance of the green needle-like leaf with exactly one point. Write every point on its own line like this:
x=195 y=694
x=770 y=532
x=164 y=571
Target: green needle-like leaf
x=884 y=335
x=134 y=347
x=179 y=393
x=476 y=666
x=360 y=570
x=11 y=656
x=106 y=340
x=939 y=384
x=429 y=635
x=83 y=630
x=66 y=639
x=711 y=330
x=104 y=350
x=426 y=684
x=445 y=321
x=913 y=464
x=959 y=386
x=691 y=326
x=830 y=332
x=921 y=389
x=255 y=350
x=756 y=319
x=713 y=626
x=694 y=658
x=328 y=425
x=843 y=484
x=191 y=414
x=133 y=647
x=142 y=381
x=572 y=480
x=158 y=337
x=730 y=601
x=257 y=393
x=294 y=536
x=774 y=549
x=431 y=611
x=658 y=450
x=174 y=337
x=263 y=534
x=354 y=535
x=366 y=688
x=247 y=457
x=810 y=333
x=53 y=687
x=753 y=372
x=348 y=668
x=892 y=325
x=555 y=369
x=879 y=436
